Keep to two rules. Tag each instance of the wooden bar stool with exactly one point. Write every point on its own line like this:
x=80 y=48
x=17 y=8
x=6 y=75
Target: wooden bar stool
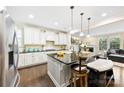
x=79 y=73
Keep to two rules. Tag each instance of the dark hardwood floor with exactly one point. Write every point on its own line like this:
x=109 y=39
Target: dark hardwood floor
x=36 y=76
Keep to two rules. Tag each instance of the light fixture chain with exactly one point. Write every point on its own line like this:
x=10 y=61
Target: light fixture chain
x=89 y=25
x=81 y=22
x=72 y=7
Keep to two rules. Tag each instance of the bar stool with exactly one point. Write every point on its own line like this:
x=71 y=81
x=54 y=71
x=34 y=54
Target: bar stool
x=79 y=72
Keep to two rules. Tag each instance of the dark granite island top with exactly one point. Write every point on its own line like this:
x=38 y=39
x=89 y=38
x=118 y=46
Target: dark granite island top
x=67 y=59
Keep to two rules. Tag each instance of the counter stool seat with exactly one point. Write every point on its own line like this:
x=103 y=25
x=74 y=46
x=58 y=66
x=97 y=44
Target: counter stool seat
x=101 y=65
x=78 y=72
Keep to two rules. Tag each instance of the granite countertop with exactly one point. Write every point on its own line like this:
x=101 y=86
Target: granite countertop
x=67 y=59
x=40 y=51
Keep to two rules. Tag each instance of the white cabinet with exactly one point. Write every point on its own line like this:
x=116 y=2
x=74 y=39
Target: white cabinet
x=36 y=36
x=65 y=39
x=36 y=58
x=21 y=62
x=28 y=59
x=43 y=37
x=50 y=36
x=27 y=35
x=31 y=35
x=56 y=38
x=62 y=39
x=44 y=55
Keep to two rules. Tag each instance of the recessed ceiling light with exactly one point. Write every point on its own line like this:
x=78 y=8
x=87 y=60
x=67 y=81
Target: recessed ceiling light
x=56 y=23
x=31 y=16
x=104 y=14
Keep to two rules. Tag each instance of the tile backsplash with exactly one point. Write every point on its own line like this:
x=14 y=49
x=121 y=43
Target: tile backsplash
x=49 y=45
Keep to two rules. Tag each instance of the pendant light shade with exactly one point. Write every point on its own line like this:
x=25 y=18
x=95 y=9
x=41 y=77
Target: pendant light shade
x=88 y=34
x=81 y=33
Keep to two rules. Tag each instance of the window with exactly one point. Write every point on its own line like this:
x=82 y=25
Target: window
x=115 y=43
x=103 y=44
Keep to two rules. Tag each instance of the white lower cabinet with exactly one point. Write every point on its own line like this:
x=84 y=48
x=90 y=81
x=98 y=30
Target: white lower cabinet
x=28 y=59
x=21 y=62
x=44 y=57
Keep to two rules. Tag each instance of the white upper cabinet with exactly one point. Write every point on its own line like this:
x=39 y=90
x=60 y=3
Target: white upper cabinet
x=31 y=35
x=65 y=39
x=62 y=39
x=56 y=38
x=50 y=36
x=43 y=37
x=36 y=36
x=27 y=35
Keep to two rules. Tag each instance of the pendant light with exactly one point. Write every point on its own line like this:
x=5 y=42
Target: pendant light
x=81 y=34
x=88 y=34
x=72 y=26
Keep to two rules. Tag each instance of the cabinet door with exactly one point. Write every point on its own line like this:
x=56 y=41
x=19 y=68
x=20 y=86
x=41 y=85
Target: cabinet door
x=28 y=59
x=50 y=36
x=21 y=62
x=36 y=36
x=44 y=57
x=43 y=37
x=65 y=39
x=36 y=58
x=60 y=38
x=31 y=35
x=27 y=35
x=56 y=38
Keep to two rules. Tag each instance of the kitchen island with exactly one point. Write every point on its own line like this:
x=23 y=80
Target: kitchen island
x=59 y=69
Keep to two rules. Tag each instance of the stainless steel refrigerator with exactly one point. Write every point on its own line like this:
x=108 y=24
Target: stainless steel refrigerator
x=9 y=56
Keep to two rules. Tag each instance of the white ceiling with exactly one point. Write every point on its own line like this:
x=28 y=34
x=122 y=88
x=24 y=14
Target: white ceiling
x=47 y=15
